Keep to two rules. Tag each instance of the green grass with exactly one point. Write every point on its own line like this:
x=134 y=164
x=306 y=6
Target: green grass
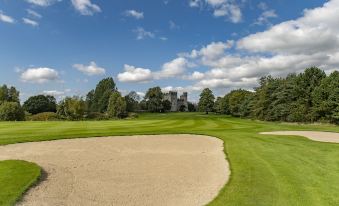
x=15 y=178
x=266 y=169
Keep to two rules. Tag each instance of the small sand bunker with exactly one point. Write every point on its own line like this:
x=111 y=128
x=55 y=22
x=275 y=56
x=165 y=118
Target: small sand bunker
x=316 y=136
x=136 y=170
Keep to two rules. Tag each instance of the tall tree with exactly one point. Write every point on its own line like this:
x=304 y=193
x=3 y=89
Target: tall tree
x=116 y=106
x=98 y=100
x=40 y=103
x=235 y=100
x=154 y=97
x=206 y=101
x=9 y=94
x=11 y=111
x=326 y=99
x=132 y=100
x=72 y=108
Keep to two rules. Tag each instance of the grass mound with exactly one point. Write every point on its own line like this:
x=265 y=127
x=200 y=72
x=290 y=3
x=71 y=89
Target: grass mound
x=16 y=177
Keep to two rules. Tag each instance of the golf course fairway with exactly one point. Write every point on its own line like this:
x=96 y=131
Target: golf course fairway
x=265 y=169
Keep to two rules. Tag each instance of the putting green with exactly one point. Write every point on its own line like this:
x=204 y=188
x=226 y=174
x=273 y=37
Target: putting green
x=266 y=169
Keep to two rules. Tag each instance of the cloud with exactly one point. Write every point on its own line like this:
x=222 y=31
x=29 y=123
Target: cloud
x=6 y=19
x=30 y=22
x=265 y=16
x=143 y=34
x=135 y=14
x=317 y=31
x=34 y=14
x=173 y=25
x=86 y=7
x=221 y=8
x=173 y=68
x=54 y=93
x=90 y=70
x=43 y=3
x=262 y=6
x=133 y=74
x=288 y=47
x=39 y=75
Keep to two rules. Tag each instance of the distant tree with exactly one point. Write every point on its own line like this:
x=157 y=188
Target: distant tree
x=132 y=100
x=218 y=105
x=99 y=98
x=8 y=94
x=154 y=97
x=182 y=108
x=326 y=99
x=90 y=102
x=143 y=105
x=206 y=101
x=167 y=105
x=11 y=111
x=235 y=99
x=72 y=108
x=306 y=83
x=191 y=107
x=39 y=104
x=116 y=106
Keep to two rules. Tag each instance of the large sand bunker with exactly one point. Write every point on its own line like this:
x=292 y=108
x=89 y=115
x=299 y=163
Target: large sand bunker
x=137 y=170
x=316 y=136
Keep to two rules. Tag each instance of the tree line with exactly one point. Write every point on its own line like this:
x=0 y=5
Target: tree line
x=103 y=102
x=306 y=97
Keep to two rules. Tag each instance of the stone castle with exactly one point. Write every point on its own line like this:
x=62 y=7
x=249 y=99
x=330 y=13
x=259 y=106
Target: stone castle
x=172 y=96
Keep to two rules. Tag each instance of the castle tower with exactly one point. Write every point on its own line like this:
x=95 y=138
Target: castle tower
x=173 y=100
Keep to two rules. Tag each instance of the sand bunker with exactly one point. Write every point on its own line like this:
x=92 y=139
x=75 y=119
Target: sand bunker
x=138 y=170
x=316 y=136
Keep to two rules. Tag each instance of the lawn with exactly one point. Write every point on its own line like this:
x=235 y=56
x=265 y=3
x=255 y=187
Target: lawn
x=15 y=178
x=266 y=170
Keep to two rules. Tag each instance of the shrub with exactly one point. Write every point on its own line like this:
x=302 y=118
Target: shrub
x=11 y=111
x=97 y=116
x=45 y=116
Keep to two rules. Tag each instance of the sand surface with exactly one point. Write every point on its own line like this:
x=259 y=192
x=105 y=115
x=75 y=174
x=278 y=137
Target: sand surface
x=136 y=170
x=316 y=136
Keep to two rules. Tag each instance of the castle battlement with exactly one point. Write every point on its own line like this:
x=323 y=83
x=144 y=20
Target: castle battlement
x=176 y=103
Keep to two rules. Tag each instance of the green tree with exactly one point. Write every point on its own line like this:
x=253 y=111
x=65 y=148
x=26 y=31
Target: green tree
x=191 y=107
x=9 y=94
x=39 y=104
x=116 y=106
x=306 y=83
x=98 y=99
x=11 y=111
x=206 y=101
x=167 y=105
x=235 y=100
x=182 y=108
x=132 y=101
x=154 y=97
x=218 y=105
x=72 y=108
x=326 y=99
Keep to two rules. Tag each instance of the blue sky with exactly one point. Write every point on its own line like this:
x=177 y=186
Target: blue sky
x=64 y=47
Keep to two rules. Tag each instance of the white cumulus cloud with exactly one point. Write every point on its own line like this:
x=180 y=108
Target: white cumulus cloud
x=143 y=34
x=42 y=2
x=135 y=14
x=86 y=7
x=5 y=18
x=91 y=70
x=39 y=75
x=221 y=8
x=134 y=74
x=30 y=22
